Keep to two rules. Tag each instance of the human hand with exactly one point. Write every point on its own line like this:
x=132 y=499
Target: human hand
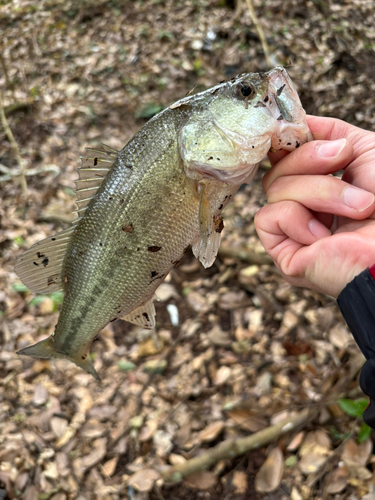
x=319 y=229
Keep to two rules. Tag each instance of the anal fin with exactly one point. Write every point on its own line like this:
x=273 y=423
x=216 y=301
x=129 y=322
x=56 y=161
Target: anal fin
x=143 y=315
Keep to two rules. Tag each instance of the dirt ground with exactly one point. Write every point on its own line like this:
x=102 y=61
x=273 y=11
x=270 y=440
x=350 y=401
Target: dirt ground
x=249 y=350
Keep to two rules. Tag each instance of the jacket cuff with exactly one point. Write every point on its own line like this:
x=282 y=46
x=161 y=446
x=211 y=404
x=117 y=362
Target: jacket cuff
x=357 y=305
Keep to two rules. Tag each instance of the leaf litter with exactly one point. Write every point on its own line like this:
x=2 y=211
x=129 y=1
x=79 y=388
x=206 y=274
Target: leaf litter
x=248 y=348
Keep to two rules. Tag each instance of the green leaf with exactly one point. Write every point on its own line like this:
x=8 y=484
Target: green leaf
x=149 y=110
x=126 y=366
x=353 y=408
x=364 y=433
x=19 y=287
x=37 y=300
x=57 y=299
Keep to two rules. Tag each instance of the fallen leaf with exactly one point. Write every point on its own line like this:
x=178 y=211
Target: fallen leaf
x=311 y=462
x=269 y=475
x=222 y=375
x=240 y=482
x=357 y=453
x=202 y=480
x=211 y=432
x=247 y=420
x=110 y=466
x=143 y=480
x=337 y=480
x=148 y=430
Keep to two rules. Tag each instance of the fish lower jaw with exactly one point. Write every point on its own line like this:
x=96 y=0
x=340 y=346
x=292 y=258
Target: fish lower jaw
x=290 y=136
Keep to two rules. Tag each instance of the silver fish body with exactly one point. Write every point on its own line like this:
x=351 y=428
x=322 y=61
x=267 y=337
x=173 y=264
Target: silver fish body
x=163 y=191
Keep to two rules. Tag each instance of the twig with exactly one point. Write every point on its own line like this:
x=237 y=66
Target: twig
x=14 y=145
x=243 y=254
x=260 y=32
x=7 y=81
x=9 y=173
x=232 y=448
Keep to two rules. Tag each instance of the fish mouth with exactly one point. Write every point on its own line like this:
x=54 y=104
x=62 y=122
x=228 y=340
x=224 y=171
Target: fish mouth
x=283 y=104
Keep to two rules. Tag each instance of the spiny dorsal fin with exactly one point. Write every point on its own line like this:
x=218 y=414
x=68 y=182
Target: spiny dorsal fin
x=143 y=315
x=40 y=267
x=95 y=166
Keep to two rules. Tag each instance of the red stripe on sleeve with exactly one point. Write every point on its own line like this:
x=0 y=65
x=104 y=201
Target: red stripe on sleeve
x=372 y=271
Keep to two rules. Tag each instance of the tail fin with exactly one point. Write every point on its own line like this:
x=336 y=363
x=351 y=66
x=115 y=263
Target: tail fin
x=45 y=349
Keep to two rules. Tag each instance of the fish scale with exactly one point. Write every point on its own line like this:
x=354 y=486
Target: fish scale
x=142 y=207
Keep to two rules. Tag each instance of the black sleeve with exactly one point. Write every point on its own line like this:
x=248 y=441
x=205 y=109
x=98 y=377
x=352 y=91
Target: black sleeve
x=357 y=305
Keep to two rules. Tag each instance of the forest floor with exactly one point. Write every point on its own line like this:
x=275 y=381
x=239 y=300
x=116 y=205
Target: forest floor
x=249 y=350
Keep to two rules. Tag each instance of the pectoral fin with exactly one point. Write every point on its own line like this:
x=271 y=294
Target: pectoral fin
x=46 y=349
x=205 y=248
x=206 y=252
x=205 y=215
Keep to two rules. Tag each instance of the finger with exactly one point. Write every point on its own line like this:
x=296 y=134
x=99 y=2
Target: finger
x=323 y=193
x=329 y=129
x=316 y=157
x=361 y=172
x=276 y=156
x=287 y=220
x=332 y=129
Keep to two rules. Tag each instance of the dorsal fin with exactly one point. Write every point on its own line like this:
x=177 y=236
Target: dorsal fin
x=40 y=267
x=95 y=166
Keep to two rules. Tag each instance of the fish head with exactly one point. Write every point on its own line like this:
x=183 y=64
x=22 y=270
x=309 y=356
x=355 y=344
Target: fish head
x=232 y=126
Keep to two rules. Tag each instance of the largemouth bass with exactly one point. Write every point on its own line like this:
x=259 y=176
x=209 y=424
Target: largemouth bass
x=142 y=207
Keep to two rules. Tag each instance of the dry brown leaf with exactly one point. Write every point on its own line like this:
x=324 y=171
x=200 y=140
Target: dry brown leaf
x=110 y=466
x=247 y=420
x=222 y=375
x=337 y=480
x=296 y=441
x=175 y=459
x=311 y=462
x=317 y=443
x=58 y=426
x=148 y=430
x=203 y=480
x=269 y=475
x=211 y=432
x=357 y=453
x=149 y=347
x=240 y=482
x=143 y=480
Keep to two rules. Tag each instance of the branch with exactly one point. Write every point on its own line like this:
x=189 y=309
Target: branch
x=258 y=27
x=14 y=145
x=232 y=448
x=244 y=254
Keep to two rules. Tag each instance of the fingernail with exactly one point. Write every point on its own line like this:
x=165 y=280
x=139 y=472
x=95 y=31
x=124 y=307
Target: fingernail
x=359 y=199
x=330 y=149
x=318 y=229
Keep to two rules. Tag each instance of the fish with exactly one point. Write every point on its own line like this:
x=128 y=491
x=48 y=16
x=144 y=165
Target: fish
x=140 y=208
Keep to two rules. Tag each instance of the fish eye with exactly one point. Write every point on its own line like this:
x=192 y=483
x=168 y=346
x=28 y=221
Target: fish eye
x=246 y=90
